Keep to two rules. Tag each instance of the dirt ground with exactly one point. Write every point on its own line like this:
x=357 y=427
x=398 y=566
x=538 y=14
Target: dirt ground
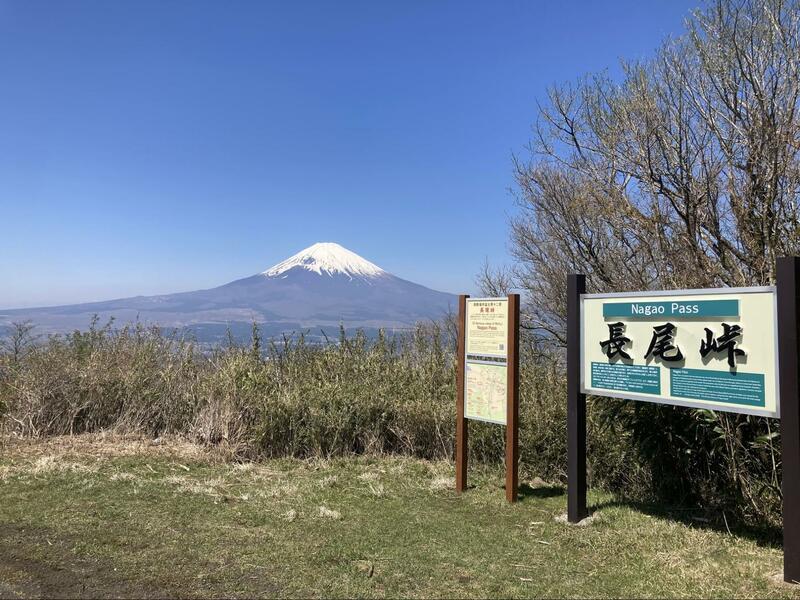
x=57 y=573
x=38 y=563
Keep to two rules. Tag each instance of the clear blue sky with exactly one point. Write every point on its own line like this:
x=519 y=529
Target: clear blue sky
x=150 y=147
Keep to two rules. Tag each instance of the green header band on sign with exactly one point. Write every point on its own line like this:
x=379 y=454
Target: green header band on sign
x=672 y=308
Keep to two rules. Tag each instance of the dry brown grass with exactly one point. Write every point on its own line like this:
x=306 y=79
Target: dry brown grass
x=440 y=483
x=103 y=445
x=323 y=512
x=377 y=489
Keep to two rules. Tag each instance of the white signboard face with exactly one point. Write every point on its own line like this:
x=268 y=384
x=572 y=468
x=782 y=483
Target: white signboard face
x=485 y=371
x=487 y=327
x=714 y=349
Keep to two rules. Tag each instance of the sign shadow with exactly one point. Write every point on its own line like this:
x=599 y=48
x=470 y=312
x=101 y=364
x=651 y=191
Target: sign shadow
x=700 y=518
x=526 y=491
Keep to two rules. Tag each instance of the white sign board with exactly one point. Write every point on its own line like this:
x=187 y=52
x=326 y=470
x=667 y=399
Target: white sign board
x=485 y=371
x=713 y=348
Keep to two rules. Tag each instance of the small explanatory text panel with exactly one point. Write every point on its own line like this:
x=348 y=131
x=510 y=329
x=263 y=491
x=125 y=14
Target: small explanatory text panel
x=486 y=360
x=713 y=349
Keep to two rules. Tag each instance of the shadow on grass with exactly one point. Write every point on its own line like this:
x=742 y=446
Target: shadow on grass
x=692 y=516
x=526 y=491
x=701 y=518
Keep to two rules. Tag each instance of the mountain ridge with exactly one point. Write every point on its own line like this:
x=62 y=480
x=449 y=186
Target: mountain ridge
x=321 y=286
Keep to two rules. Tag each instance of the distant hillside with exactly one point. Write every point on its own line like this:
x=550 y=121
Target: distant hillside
x=319 y=288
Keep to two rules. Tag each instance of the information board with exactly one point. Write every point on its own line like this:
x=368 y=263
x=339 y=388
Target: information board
x=714 y=348
x=486 y=360
x=487 y=327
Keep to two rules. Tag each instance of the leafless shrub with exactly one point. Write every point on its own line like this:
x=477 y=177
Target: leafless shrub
x=685 y=174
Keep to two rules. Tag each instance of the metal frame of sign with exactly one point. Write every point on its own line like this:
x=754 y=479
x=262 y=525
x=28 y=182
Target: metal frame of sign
x=686 y=403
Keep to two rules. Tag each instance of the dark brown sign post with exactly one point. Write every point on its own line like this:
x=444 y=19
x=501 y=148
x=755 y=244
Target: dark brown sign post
x=788 y=369
x=487 y=378
x=576 y=405
x=512 y=404
x=462 y=425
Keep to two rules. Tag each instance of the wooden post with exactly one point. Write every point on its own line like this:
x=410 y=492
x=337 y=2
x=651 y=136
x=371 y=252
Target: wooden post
x=462 y=425
x=512 y=415
x=789 y=383
x=576 y=405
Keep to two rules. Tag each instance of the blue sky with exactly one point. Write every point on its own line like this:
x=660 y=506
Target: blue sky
x=150 y=147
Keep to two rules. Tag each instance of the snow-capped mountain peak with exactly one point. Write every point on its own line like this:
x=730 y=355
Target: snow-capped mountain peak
x=328 y=258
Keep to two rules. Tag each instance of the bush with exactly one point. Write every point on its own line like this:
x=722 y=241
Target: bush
x=361 y=396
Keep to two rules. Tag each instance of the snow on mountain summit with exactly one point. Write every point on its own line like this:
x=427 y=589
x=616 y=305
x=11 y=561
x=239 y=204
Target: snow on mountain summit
x=328 y=258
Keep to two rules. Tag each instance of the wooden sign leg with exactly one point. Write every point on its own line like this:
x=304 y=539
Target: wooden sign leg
x=788 y=335
x=462 y=425
x=576 y=405
x=512 y=415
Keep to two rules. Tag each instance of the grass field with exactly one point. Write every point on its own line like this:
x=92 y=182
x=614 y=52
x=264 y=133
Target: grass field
x=102 y=516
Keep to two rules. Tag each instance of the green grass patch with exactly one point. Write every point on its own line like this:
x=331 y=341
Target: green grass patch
x=104 y=520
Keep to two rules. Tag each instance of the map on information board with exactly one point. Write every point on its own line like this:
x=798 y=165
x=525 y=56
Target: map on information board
x=486 y=392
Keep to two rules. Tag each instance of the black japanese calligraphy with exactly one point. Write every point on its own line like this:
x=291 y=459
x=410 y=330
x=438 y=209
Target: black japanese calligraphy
x=661 y=344
x=724 y=343
x=615 y=344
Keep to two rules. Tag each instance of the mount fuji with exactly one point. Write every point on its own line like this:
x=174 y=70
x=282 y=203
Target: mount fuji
x=318 y=288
